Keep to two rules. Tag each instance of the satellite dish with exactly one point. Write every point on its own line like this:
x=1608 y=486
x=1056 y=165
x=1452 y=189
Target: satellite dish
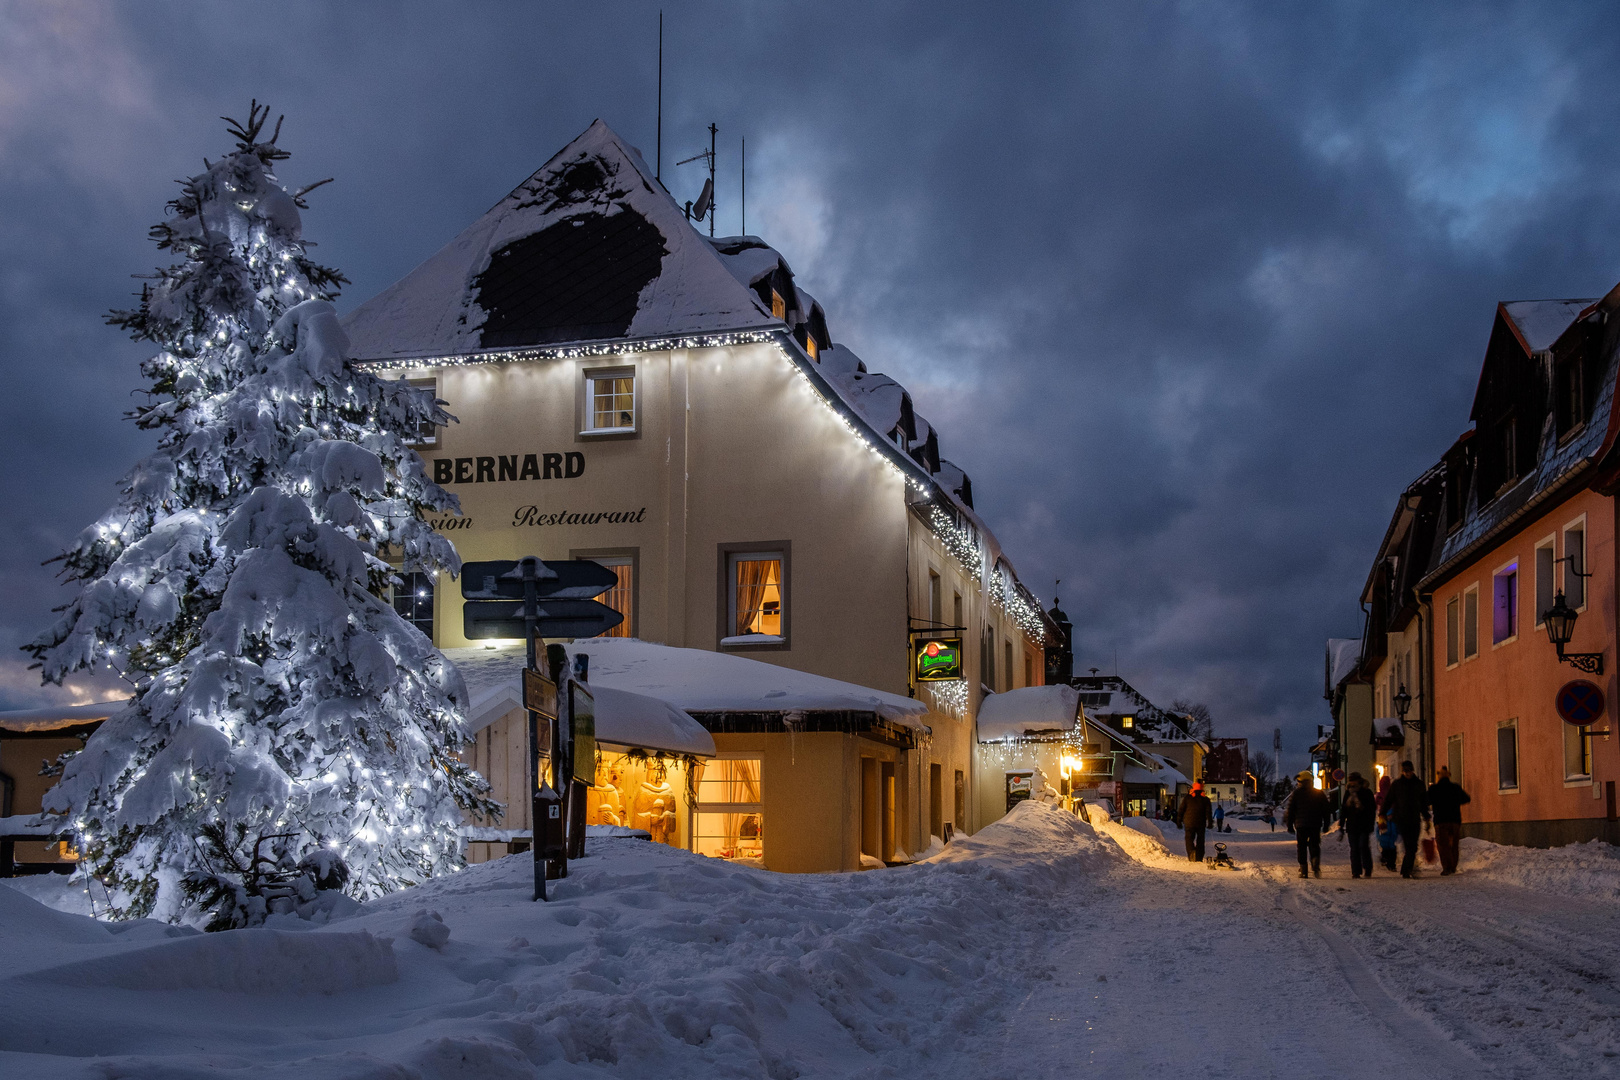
x=705 y=201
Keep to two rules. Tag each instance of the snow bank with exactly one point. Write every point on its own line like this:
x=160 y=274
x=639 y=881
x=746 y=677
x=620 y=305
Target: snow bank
x=245 y=961
x=648 y=961
x=1591 y=869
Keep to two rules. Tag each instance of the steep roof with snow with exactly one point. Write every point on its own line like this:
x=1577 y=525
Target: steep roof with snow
x=592 y=250
x=1538 y=323
x=589 y=248
x=1343 y=654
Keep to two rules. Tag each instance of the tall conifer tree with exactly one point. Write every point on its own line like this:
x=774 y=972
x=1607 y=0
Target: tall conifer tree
x=240 y=583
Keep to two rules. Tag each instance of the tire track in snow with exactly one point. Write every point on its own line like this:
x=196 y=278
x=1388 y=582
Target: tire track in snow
x=1422 y=1045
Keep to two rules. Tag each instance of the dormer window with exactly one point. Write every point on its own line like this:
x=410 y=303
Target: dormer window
x=812 y=348
x=778 y=305
x=1569 y=395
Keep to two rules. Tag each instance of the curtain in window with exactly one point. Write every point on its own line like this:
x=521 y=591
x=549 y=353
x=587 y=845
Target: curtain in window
x=752 y=576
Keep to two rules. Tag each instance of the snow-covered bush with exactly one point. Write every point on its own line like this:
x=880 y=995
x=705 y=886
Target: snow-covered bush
x=240 y=583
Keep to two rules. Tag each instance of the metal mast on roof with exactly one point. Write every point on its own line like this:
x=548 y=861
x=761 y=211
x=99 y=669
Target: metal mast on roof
x=745 y=187
x=658 y=172
x=705 y=201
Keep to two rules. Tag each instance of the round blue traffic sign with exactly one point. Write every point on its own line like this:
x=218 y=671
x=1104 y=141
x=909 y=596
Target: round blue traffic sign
x=1580 y=702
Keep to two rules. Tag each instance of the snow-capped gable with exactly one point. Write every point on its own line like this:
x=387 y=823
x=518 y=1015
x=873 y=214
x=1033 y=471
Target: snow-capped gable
x=589 y=248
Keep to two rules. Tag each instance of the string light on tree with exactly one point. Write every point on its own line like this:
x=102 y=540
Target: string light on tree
x=241 y=582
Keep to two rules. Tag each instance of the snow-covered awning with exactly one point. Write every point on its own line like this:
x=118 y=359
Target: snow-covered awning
x=1135 y=774
x=495 y=683
x=56 y=718
x=1029 y=712
x=695 y=680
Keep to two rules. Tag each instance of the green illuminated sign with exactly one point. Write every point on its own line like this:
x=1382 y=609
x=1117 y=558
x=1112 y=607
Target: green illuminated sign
x=939 y=660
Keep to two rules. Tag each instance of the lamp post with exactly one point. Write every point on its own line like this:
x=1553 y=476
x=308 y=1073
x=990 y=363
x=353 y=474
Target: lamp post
x=1560 y=622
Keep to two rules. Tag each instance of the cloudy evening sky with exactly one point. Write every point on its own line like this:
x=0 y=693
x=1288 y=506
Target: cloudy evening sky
x=1191 y=290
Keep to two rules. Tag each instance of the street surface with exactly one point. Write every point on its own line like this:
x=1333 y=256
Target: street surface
x=1257 y=973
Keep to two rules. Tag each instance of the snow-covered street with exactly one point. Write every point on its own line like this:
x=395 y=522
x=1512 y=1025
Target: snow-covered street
x=1038 y=948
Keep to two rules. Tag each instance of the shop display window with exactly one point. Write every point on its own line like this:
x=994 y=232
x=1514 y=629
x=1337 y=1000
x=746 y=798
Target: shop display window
x=642 y=791
x=730 y=820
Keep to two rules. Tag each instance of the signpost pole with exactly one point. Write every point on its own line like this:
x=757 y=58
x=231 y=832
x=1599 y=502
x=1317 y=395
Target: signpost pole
x=531 y=616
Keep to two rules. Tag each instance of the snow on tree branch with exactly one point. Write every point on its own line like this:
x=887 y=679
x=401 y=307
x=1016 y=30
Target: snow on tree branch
x=240 y=583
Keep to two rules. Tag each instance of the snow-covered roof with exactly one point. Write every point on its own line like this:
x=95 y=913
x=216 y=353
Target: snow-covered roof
x=58 y=717
x=1540 y=322
x=1343 y=654
x=589 y=248
x=1387 y=727
x=700 y=681
x=1028 y=711
x=1136 y=774
x=1169 y=774
x=494 y=684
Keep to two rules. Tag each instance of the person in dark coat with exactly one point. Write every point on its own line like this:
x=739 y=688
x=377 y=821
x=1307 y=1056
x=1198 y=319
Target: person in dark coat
x=1195 y=817
x=1358 y=816
x=1307 y=811
x=1446 y=800
x=1408 y=807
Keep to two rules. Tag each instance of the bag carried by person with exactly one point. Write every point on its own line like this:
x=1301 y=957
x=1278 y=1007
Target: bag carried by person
x=1431 y=853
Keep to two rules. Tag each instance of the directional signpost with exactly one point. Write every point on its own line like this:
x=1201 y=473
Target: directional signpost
x=530 y=598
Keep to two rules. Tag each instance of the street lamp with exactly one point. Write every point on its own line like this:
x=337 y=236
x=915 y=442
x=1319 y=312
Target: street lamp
x=1560 y=620
x=1403 y=703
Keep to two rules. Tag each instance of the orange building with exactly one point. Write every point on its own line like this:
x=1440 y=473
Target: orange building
x=1517 y=521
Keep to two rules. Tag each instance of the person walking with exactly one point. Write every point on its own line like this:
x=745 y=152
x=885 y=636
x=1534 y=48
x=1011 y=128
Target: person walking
x=1220 y=817
x=1408 y=807
x=1195 y=815
x=1307 y=810
x=1270 y=816
x=1446 y=800
x=1358 y=815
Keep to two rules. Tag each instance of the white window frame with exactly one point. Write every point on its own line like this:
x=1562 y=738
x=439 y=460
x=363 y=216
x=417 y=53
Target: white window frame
x=1578 y=524
x=589 y=378
x=1546 y=543
x=1517 y=566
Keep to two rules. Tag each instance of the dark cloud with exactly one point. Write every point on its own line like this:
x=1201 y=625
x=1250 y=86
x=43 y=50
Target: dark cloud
x=1191 y=290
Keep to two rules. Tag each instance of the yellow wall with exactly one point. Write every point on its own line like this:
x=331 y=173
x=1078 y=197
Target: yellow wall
x=733 y=445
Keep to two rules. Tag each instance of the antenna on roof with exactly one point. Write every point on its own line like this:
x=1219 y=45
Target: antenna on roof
x=745 y=187
x=658 y=172
x=705 y=201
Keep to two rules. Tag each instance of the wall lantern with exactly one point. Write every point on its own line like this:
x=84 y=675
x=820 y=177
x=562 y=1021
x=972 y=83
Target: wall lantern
x=1560 y=620
x=1403 y=704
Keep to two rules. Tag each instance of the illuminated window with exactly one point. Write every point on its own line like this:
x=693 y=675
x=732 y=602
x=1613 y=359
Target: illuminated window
x=778 y=305
x=610 y=401
x=621 y=597
x=413 y=599
x=1127 y=722
x=757 y=598
x=1505 y=604
x=730 y=819
x=812 y=348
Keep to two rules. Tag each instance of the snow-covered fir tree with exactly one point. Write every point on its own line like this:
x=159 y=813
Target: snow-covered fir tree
x=283 y=710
